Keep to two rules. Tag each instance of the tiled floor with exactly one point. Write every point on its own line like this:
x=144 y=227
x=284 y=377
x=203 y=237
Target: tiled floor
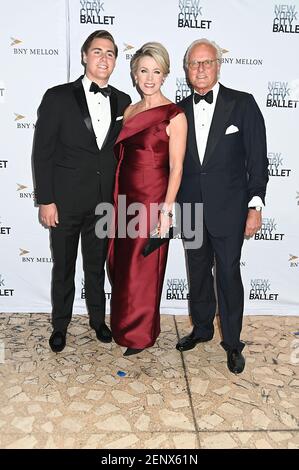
x=165 y=399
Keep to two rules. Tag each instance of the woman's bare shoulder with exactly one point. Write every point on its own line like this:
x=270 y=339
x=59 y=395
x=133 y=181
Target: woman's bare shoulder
x=131 y=110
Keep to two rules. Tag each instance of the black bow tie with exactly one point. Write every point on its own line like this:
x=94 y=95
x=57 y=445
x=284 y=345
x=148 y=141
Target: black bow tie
x=208 y=97
x=96 y=89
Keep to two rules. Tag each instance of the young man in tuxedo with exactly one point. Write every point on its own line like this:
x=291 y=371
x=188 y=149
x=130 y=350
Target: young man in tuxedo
x=74 y=168
x=225 y=168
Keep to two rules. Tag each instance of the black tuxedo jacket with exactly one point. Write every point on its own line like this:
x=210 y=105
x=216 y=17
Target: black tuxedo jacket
x=69 y=168
x=235 y=165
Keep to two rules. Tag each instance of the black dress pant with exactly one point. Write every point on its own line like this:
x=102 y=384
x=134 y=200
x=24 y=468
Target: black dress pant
x=64 y=240
x=226 y=251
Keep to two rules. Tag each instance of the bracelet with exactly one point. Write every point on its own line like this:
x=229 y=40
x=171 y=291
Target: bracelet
x=165 y=212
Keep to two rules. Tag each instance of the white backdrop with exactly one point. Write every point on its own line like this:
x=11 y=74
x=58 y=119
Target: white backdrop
x=40 y=43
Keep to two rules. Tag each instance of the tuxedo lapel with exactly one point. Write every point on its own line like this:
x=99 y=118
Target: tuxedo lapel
x=223 y=108
x=80 y=97
x=113 y=110
x=192 y=144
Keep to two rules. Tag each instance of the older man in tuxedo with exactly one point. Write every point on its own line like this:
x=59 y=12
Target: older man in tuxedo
x=225 y=168
x=74 y=168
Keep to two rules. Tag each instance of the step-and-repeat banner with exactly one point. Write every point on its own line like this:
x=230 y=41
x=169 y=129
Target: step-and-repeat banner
x=40 y=45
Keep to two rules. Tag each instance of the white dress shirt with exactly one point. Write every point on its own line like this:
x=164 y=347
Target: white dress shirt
x=203 y=115
x=99 y=110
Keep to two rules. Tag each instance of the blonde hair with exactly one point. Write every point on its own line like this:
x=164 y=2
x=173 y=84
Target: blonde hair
x=155 y=50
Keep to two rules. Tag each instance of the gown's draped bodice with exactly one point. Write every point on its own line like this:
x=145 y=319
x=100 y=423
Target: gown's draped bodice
x=144 y=138
x=148 y=148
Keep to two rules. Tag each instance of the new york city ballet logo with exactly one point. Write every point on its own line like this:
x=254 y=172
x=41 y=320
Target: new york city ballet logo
x=260 y=289
x=83 y=295
x=4 y=229
x=177 y=289
x=18 y=49
x=191 y=15
x=285 y=19
x=2 y=92
x=4 y=290
x=268 y=231
x=276 y=165
x=182 y=89
x=94 y=12
x=281 y=95
x=3 y=164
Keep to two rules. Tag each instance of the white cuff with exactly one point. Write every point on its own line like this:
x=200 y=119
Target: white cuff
x=255 y=201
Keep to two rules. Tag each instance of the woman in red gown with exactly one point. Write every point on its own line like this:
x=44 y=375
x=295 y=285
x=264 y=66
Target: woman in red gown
x=150 y=149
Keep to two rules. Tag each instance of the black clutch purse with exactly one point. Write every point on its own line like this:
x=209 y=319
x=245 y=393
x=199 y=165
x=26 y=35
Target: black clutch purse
x=155 y=241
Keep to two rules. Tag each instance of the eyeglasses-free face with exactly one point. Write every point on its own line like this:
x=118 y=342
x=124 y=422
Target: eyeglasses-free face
x=100 y=60
x=149 y=76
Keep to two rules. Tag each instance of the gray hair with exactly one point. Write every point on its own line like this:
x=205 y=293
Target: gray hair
x=205 y=41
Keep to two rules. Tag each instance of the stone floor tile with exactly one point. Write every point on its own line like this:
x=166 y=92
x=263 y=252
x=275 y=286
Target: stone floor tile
x=125 y=442
x=27 y=442
x=260 y=398
x=249 y=440
x=91 y=396
x=221 y=440
x=176 y=420
x=116 y=422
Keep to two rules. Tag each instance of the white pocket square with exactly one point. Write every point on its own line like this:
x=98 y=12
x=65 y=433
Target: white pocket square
x=231 y=130
x=119 y=118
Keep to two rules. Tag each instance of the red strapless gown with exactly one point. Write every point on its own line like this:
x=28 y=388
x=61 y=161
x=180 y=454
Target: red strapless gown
x=142 y=175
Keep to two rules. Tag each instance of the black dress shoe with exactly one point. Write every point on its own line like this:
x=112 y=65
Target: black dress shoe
x=189 y=342
x=131 y=351
x=235 y=361
x=57 y=341
x=104 y=334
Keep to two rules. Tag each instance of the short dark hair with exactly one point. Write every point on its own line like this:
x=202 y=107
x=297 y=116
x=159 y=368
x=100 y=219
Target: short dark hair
x=101 y=33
